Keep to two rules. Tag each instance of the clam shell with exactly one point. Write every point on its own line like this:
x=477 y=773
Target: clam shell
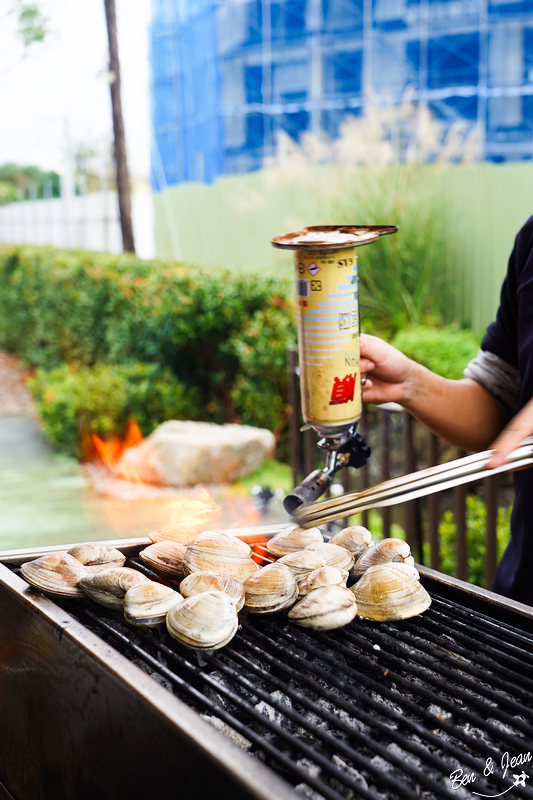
x=57 y=574
x=325 y=609
x=214 y=550
x=198 y=582
x=385 y=593
x=96 y=556
x=205 y=621
x=356 y=539
x=333 y=555
x=325 y=576
x=302 y=563
x=382 y=552
x=292 y=539
x=404 y=569
x=164 y=556
x=182 y=532
x=271 y=589
x=109 y=586
x=147 y=603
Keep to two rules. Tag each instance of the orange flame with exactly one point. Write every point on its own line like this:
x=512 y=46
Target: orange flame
x=111 y=449
x=200 y=510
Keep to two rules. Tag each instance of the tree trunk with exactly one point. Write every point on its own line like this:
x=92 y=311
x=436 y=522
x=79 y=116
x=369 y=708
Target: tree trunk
x=123 y=180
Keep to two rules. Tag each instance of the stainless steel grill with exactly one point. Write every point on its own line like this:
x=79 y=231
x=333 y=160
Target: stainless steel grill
x=374 y=710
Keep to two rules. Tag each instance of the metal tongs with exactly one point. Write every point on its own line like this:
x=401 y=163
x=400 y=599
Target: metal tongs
x=412 y=486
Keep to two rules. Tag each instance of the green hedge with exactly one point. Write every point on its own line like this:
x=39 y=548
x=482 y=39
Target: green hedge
x=216 y=340
x=445 y=351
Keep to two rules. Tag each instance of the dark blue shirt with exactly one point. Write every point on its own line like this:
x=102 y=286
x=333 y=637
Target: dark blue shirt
x=511 y=338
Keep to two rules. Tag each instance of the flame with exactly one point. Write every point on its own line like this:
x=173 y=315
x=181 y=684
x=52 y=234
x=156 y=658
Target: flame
x=110 y=450
x=200 y=511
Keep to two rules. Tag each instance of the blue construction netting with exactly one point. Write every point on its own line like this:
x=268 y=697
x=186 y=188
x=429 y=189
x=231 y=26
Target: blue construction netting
x=228 y=75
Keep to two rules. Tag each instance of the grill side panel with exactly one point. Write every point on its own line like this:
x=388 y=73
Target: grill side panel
x=80 y=721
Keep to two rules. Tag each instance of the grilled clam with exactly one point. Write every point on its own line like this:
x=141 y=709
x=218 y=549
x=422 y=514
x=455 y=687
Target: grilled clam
x=333 y=555
x=205 y=621
x=382 y=552
x=271 y=589
x=325 y=576
x=385 y=593
x=302 y=563
x=147 y=603
x=214 y=550
x=198 y=582
x=356 y=539
x=325 y=609
x=404 y=569
x=292 y=539
x=57 y=574
x=182 y=532
x=96 y=556
x=109 y=586
x=164 y=556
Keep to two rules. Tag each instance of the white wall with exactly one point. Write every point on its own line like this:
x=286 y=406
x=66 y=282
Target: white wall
x=89 y=221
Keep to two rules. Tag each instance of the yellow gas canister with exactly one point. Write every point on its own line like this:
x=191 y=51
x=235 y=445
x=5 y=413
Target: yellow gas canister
x=328 y=321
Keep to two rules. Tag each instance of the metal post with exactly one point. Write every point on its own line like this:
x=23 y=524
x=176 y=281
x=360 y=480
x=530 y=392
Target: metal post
x=363 y=472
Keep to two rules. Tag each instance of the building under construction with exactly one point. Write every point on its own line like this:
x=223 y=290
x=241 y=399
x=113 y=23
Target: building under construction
x=229 y=74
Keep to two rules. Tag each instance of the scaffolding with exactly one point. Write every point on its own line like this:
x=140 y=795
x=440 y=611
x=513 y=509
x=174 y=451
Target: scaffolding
x=228 y=75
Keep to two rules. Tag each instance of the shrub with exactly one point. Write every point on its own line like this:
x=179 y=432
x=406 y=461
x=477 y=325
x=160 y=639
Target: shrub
x=476 y=525
x=445 y=351
x=76 y=401
x=87 y=309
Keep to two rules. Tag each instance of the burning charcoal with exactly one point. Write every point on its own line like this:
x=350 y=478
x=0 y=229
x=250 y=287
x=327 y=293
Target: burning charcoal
x=310 y=767
x=353 y=773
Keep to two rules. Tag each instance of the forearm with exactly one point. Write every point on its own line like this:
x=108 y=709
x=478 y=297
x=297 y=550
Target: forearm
x=462 y=412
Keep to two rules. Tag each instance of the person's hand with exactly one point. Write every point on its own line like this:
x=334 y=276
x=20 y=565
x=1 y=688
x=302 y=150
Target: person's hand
x=385 y=371
x=519 y=428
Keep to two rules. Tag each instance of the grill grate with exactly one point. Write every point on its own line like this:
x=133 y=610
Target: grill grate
x=371 y=711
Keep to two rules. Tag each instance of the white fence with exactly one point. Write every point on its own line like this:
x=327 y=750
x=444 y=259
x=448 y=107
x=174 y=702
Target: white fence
x=89 y=221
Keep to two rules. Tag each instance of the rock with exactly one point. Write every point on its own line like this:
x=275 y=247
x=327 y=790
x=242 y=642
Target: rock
x=187 y=453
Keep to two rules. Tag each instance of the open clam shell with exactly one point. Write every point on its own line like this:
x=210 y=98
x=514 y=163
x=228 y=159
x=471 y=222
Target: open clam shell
x=271 y=589
x=198 y=582
x=325 y=609
x=182 y=532
x=333 y=555
x=57 y=574
x=302 y=563
x=205 y=621
x=324 y=576
x=356 y=539
x=164 y=556
x=386 y=593
x=382 y=552
x=292 y=539
x=148 y=603
x=109 y=586
x=215 y=550
x=96 y=556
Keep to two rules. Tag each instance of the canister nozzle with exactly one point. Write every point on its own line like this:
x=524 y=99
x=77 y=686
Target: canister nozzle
x=351 y=453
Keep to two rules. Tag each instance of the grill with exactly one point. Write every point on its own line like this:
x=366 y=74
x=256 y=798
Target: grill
x=436 y=707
